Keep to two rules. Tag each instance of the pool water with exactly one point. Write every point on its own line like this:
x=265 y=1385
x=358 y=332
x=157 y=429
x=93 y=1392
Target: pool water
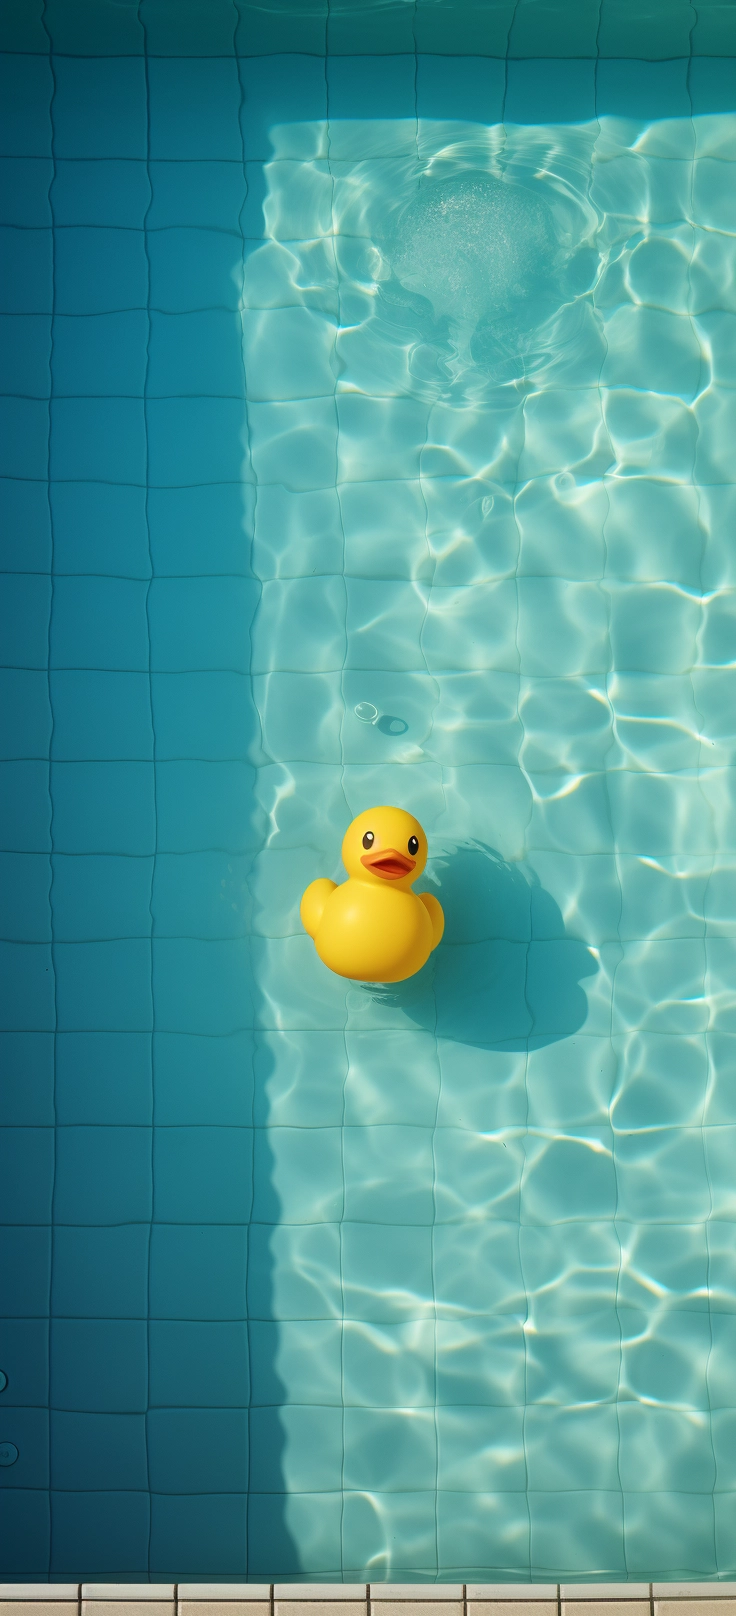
x=370 y=427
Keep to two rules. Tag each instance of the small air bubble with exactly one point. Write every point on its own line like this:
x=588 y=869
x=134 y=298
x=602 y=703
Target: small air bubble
x=487 y=504
x=366 y=712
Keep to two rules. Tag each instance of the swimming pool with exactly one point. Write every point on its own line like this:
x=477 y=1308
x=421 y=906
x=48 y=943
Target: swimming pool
x=347 y=372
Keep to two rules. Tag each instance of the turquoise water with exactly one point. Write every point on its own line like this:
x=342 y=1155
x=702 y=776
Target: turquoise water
x=399 y=389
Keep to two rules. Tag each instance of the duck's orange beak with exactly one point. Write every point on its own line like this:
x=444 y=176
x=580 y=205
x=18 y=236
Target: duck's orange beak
x=388 y=863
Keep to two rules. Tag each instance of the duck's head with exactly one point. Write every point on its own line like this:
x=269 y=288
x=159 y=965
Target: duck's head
x=385 y=846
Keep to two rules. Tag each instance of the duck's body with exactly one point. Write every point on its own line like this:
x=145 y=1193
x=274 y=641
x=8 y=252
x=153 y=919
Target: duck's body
x=373 y=928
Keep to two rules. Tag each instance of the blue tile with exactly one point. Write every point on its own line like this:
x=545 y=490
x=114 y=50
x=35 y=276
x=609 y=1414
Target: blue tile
x=390 y=1450
x=198 y=1449
x=27 y=1093
x=312 y=1457
x=100 y=107
x=373 y=1522
x=562 y=1522
x=27 y=1175
x=205 y=804
x=712 y=84
x=24 y=31
x=202 y=1363
x=26 y=89
x=293 y=1272
x=480 y=993
x=26 y=277
x=489 y=1531
x=26 y=988
x=100 y=354
x=203 y=1535
x=100 y=192
x=302 y=1078
x=193 y=269
x=24 y=1355
x=27 y=1430
x=199 y=623
x=104 y=986
x=98 y=1451
x=25 y=714
x=202 y=715
x=200 y=33
x=208 y=195
x=100 y=528
x=567 y=1447
x=278 y=1524
x=203 y=1175
x=100 y=623
x=103 y=438
x=468 y=88
x=201 y=530
x=99 y=1365
x=106 y=1532
x=85 y=30
x=104 y=808
x=371 y=86
x=101 y=1273
x=25 y=353
x=303 y=1354
x=556 y=999
x=304 y=1166
x=198 y=1273
x=98 y=896
x=25 y=527
x=386 y=1270
x=642 y=90
x=194 y=106
x=25 y=915
x=262 y=32
x=195 y=440
x=24 y=437
x=202 y=895
x=25 y=1271
x=389 y=1174
x=204 y=1081
x=196 y=353
x=99 y=271
x=24 y=191
x=202 y=987
x=535 y=94
x=103 y=1175
x=280 y=90
x=25 y=1532
x=101 y=715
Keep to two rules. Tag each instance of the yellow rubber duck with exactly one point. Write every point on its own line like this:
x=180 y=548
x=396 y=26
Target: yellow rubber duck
x=373 y=928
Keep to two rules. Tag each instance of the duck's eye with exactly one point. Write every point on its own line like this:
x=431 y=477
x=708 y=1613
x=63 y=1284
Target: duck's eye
x=368 y=839
x=413 y=845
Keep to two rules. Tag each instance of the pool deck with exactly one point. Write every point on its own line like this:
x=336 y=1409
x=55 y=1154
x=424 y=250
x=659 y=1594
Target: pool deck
x=367 y=1599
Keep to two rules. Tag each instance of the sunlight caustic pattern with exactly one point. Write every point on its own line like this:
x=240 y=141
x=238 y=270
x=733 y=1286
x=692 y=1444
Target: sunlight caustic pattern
x=489 y=404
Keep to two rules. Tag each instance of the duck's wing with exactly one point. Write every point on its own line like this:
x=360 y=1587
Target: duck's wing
x=312 y=906
x=436 y=915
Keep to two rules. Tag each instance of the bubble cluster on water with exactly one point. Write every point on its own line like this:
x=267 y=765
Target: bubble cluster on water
x=483 y=265
x=473 y=245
